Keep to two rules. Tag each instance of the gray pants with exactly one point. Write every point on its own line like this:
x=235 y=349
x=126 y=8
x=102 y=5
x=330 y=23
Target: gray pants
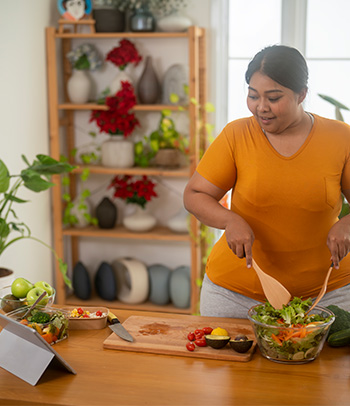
x=216 y=301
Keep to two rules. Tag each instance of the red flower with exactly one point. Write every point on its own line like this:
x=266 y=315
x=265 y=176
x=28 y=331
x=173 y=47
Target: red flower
x=139 y=191
x=117 y=119
x=124 y=54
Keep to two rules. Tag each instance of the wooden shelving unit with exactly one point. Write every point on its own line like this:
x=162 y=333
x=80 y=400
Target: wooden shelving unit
x=195 y=37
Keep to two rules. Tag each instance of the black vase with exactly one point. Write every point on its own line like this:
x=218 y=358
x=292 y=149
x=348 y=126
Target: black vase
x=105 y=282
x=109 y=20
x=148 y=87
x=81 y=281
x=106 y=213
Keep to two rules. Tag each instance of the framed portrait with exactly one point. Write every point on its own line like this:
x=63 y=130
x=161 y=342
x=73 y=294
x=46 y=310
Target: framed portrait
x=74 y=10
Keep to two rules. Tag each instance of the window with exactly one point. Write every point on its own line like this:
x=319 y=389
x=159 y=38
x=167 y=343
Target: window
x=318 y=28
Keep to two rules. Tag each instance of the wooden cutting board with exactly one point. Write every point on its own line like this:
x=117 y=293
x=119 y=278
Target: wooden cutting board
x=159 y=335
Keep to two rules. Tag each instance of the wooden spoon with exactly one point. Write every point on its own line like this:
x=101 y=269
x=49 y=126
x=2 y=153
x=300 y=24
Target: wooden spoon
x=322 y=291
x=274 y=291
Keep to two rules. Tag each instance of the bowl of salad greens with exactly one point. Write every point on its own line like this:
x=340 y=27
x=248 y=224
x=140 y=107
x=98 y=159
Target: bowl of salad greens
x=51 y=323
x=287 y=335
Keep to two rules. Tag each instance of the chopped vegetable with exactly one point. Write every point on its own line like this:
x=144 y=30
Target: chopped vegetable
x=39 y=317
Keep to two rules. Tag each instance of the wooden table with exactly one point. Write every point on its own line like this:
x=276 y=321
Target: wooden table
x=110 y=377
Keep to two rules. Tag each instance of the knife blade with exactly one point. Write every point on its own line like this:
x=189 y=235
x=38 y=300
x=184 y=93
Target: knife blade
x=118 y=328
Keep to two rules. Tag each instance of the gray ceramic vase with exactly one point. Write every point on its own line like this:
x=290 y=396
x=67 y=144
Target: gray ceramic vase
x=159 y=278
x=180 y=287
x=148 y=87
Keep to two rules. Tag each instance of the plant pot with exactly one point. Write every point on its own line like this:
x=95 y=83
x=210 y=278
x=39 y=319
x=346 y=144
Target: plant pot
x=139 y=221
x=167 y=158
x=79 y=87
x=116 y=84
x=6 y=277
x=109 y=20
x=117 y=152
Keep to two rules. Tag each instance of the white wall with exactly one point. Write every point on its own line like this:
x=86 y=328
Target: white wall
x=24 y=117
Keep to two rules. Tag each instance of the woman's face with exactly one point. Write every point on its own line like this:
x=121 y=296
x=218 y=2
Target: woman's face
x=76 y=8
x=274 y=106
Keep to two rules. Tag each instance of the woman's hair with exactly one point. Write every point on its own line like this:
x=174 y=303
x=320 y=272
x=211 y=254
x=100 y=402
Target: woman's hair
x=283 y=64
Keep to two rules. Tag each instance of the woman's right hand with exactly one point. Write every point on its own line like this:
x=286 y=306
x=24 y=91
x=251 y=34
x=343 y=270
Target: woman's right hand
x=240 y=238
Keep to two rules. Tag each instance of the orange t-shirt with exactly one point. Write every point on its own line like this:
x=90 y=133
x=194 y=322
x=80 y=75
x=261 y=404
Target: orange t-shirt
x=289 y=202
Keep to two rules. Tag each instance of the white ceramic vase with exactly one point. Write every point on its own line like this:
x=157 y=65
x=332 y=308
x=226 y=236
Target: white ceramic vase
x=79 y=87
x=117 y=152
x=139 y=221
x=116 y=84
x=175 y=22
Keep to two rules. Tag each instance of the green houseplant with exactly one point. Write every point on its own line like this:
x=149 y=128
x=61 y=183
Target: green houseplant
x=338 y=115
x=164 y=138
x=36 y=177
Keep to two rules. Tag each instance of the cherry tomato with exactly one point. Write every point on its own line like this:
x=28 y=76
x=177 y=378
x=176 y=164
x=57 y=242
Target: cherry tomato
x=198 y=331
x=80 y=310
x=99 y=313
x=207 y=330
x=190 y=346
x=191 y=336
x=86 y=316
x=201 y=342
x=200 y=334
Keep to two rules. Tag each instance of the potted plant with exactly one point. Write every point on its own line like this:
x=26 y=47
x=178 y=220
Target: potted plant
x=119 y=123
x=37 y=178
x=138 y=191
x=82 y=58
x=163 y=146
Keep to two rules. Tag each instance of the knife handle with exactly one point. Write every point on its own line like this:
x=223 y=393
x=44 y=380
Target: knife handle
x=113 y=319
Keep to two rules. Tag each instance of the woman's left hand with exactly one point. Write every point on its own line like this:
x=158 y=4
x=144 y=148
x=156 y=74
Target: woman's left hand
x=338 y=240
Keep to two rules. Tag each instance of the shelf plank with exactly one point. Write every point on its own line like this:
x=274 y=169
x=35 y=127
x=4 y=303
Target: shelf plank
x=137 y=107
x=183 y=172
x=158 y=233
x=115 y=304
x=102 y=35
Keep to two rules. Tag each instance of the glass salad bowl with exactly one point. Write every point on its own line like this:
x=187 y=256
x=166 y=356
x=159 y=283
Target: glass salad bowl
x=51 y=323
x=9 y=303
x=294 y=343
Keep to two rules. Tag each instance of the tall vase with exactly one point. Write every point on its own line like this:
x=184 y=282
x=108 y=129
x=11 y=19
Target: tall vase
x=79 y=87
x=106 y=213
x=139 y=221
x=116 y=84
x=148 y=87
x=117 y=152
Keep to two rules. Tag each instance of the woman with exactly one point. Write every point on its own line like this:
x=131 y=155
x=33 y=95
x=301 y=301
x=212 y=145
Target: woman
x=287 y=169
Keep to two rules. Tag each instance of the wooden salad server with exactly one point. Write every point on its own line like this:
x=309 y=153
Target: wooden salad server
x=322 y=291
x=274 y=291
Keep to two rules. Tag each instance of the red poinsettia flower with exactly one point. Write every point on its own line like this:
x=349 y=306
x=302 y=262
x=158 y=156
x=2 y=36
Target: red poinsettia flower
x=125 y=53
x=139 y=191
x=117 y=119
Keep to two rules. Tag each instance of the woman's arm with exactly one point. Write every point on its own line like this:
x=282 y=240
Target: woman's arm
x=338 y=240
x=201 y=198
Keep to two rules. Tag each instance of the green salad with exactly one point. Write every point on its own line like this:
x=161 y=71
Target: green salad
x=289 y=334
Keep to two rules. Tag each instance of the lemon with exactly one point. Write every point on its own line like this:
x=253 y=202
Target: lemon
x=219 y=332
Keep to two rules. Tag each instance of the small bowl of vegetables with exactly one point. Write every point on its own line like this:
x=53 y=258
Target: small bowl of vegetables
x=51 y=323
x=288 y=335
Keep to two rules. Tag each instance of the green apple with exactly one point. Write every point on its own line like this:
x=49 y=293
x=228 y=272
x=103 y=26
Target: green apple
x=20 y=287
x=34 y=293
x=44 y=285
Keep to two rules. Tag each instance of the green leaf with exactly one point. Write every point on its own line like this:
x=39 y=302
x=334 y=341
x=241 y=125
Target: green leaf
x=15 y=199
x=85 y=174
x=194 y=101
x=82 y=63
x=338 y=114
x=4 y=229
x=333 y=101
x=34 y=182
x=4 y=177
x=174 y=98
x=209 y=107
x=166 y=112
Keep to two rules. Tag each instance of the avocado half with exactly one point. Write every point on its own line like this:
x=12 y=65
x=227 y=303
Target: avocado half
x=241 y=344
x=217 y=342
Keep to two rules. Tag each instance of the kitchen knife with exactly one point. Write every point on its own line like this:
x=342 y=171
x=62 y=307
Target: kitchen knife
x=118 y=328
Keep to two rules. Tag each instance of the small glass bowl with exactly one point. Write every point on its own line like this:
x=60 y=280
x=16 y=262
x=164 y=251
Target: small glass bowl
x=293 y=345
x=52 y=331
x=9 y=304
